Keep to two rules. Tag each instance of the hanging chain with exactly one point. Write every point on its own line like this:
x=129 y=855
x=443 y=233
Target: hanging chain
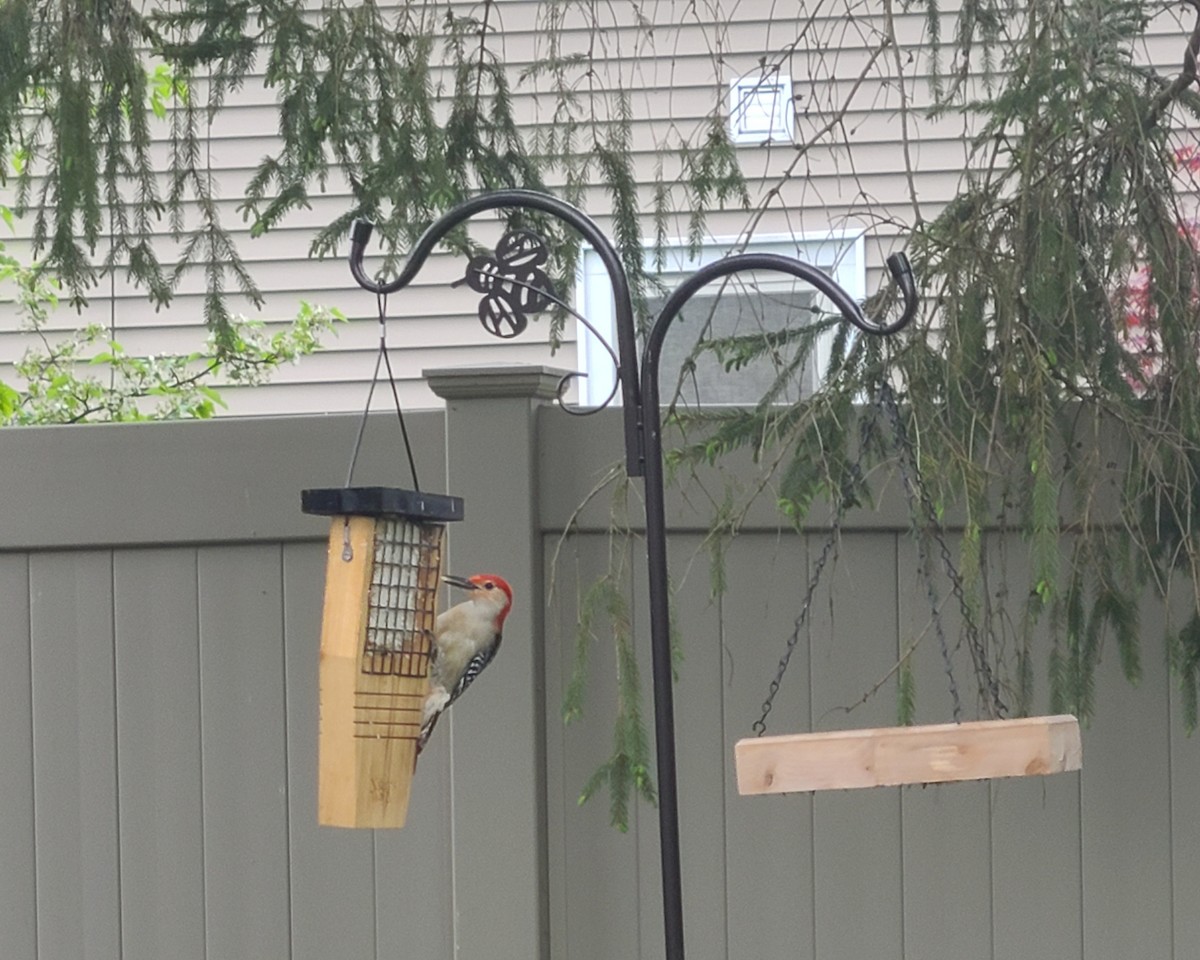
x=854 y=477
x=931 y=595
x=760 y=725
x=918 y=493
x=887 y=403
x=921 y=509
x=382 y=358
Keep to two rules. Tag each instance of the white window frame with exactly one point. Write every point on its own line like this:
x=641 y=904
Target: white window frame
x=839 y=253
x=760 y=109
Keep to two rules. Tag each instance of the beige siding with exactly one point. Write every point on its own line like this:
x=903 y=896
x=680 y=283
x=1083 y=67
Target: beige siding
x=854 y=178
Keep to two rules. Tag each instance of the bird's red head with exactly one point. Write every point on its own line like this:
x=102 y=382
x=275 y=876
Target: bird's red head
x=487 y=587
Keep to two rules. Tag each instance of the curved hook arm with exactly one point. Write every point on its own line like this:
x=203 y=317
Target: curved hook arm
x=849 y=308
x=902 y=276
x=627 y=368
x=565 y=382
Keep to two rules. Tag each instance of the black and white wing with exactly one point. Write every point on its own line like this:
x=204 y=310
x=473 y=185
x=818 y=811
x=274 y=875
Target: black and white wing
x=475 y=666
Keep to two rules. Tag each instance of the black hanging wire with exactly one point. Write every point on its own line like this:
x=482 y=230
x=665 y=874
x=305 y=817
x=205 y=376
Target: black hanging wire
x=382 y=359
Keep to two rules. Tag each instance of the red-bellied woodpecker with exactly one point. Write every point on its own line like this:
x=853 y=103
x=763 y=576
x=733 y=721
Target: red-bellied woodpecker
x=466 y=638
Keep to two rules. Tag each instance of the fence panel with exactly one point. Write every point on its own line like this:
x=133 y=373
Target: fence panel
x=332 y=878
x=18 y=879
x=159 y=766
x=75 y=754
x=159 y=712
x=244 y=750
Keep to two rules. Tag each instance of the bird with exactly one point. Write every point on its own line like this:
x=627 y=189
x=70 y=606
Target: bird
x=465 y=640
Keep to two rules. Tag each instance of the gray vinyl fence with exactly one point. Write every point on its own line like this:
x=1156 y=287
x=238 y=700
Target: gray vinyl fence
x=161 y=596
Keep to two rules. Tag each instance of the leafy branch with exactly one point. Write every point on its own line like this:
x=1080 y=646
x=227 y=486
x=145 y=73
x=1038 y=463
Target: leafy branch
x=86 y=376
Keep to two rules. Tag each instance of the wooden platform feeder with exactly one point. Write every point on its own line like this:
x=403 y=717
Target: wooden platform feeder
x=382 y=577
x=893 y=756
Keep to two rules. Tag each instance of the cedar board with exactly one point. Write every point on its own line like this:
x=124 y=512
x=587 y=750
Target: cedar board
x=893 y=756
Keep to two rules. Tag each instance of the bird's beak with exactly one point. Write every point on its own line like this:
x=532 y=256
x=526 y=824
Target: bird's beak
x=462 y=582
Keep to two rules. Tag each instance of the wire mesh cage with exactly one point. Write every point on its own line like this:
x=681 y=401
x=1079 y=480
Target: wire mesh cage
x=383 y=571
x=402 y=601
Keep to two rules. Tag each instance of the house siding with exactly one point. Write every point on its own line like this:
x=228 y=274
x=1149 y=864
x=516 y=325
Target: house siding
x=854 y=178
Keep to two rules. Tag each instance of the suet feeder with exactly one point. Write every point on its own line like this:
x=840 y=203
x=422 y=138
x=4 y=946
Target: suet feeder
x=382 y=576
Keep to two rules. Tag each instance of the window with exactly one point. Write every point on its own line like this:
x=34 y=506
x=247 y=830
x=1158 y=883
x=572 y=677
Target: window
x=750 y=303
x=760 y=109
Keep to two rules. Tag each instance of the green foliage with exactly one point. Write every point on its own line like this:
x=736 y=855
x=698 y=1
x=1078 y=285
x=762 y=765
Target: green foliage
x=713 y=178
x=626 y=772
x=1023 y=706
x=1075 y=184
x=1022 y=391
x=1019 y=364
x=604 y=611
x=75 y=103
x=1185 y=658
x=87 y=376
x=408 y=106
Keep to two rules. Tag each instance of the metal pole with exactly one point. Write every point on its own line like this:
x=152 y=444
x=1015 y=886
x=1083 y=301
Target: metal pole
x=664 y=694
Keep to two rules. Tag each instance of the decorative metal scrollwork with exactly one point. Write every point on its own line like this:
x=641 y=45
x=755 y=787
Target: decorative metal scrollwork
x=513 y=283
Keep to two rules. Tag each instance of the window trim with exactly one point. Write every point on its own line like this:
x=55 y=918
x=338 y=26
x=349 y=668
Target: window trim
x=780 y=122
x=840 y=250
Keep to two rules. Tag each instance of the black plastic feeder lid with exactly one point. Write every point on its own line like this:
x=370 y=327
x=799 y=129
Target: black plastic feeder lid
x=381 y=502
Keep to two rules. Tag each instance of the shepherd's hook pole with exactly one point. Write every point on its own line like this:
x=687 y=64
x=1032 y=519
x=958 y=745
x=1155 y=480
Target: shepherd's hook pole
x=643 y=447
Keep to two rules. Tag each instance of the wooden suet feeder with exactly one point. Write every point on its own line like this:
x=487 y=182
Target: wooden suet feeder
x=383 y=573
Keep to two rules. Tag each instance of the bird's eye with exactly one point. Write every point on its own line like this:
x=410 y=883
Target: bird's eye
x=489 y=585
